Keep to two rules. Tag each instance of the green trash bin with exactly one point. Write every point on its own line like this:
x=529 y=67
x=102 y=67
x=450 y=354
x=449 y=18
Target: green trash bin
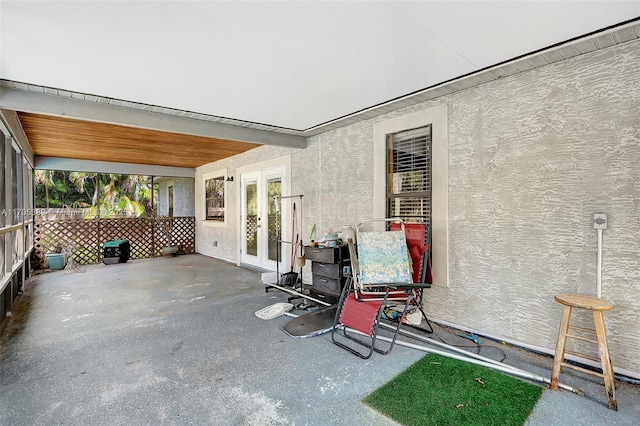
x=116 y=251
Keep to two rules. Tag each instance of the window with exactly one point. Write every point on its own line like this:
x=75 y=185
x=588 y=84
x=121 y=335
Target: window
x=409 y=175
x=414 y=195
x=214 y=199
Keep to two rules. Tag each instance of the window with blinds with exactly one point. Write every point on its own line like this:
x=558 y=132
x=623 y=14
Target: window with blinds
x=409 y=175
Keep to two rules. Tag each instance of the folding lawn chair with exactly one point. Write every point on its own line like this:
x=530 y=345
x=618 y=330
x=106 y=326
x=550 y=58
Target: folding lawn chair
x=380 y=281
x=419 y=246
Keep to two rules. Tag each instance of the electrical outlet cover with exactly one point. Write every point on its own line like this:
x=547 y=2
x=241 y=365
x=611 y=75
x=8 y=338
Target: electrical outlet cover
x=599 y=221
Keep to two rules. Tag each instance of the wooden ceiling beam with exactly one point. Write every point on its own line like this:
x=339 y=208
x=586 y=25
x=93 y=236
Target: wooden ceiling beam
x=51 y=136
x=71 y=165
x=41 y=103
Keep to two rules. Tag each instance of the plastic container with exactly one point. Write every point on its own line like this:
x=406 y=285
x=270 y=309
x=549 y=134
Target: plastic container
x=348 y=232
x=57 y=261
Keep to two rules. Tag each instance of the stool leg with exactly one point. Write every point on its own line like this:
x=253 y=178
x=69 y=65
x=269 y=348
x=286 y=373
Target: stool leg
x=562 y=341
x=607 y=368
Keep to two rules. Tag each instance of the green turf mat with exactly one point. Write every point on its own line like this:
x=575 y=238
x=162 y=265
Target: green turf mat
x=442 y=391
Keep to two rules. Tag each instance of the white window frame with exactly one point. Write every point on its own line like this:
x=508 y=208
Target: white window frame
x=438 y=119
x=212 y=175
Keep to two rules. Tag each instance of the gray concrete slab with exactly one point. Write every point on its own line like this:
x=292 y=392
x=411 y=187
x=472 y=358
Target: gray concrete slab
x=176 y=341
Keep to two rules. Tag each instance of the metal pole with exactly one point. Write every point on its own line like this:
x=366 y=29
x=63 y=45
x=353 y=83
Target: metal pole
x=278 y=237
x=599 y=266
x=288 y=290
x=430 y=341
x=599 y=224
x=301 y=244
x=470 y=357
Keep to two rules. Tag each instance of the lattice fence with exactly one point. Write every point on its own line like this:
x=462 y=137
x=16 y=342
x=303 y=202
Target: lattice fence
x=147 y=237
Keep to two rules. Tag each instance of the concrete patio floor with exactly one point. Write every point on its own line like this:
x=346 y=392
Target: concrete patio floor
x=176 y=341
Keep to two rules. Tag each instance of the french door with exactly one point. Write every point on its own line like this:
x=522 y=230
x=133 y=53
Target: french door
x=262 y=218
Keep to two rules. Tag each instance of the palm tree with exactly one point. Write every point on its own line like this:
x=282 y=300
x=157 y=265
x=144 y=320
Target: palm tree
x=45 y=178
x=137 y=186
x=113 y=195
x=83 y=181
x=110 y=194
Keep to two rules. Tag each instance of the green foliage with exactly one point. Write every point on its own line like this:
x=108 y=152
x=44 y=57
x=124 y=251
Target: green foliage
x=442 y=391
x=106 y=195
x=54 y=190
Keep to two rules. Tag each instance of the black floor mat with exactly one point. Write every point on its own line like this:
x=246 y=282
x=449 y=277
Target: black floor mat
x=312 y=323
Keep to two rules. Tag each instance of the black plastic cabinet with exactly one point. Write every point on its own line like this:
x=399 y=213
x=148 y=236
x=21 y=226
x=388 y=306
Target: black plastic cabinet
x=330 y=268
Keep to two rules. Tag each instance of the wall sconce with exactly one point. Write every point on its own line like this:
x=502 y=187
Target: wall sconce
x=229 y=178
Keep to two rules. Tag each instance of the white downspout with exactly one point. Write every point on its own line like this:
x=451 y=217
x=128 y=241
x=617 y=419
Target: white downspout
x=599 y=224
x=599 y=266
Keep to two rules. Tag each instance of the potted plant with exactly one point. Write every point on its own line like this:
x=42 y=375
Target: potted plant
x=57 y=258
x=164 y=227
x=164 y=224
x=61 y=257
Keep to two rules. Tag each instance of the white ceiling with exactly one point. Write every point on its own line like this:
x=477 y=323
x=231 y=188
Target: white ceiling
x=288 y=64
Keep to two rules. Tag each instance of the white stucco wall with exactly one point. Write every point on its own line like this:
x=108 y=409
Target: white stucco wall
x=531 y=158
x=183 y=196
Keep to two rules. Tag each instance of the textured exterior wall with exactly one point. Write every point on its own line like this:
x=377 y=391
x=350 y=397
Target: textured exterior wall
x=163 y=197
x=531 y=158
x=183 y=197
x=221 y=240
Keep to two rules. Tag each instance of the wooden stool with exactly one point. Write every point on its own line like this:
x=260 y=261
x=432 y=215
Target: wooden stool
x=597 y=306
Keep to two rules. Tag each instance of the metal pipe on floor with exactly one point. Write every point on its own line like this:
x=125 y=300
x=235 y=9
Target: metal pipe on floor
x=481 y=358
x=431 y=341
x=288 y=290
x=465 y=358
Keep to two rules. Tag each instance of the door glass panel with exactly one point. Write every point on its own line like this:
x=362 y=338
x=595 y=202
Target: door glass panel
x=274 y=188
x=251 y=214
x=2 y=259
